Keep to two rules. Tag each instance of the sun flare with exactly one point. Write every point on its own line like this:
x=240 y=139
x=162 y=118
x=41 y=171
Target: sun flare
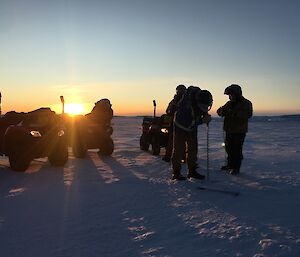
x=74 y=108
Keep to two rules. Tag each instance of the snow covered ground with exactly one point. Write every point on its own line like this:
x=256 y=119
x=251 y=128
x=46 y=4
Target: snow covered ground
x=126 y=205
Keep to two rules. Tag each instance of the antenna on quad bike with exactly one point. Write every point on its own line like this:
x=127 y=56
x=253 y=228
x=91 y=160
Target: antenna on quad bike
x=63 y=103
x=154 y=106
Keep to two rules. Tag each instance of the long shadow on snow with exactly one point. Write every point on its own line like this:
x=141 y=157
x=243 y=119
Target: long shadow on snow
x=230 y=223
x=34 y=214
x=154 y=219
x=92 y=223
x=12 y=181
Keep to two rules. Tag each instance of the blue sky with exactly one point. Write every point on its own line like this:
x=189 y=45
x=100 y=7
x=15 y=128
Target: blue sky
x=135 y=51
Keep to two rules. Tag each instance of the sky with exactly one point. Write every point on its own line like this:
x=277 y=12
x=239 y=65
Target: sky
x=134 y=51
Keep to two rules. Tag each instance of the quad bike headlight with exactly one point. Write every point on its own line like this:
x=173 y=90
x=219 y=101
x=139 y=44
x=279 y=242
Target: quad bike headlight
x=60 y=133
x=164 y=130
x=35 y=133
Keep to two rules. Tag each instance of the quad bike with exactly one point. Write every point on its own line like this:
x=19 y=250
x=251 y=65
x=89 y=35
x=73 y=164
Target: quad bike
x=85 y=134
x=92 y=131
x=36 y=134
x=155 y=132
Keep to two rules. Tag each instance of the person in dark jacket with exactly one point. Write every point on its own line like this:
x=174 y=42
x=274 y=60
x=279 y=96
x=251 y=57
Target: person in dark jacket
x=236 y=113
x=192 y=111
x=180 y=90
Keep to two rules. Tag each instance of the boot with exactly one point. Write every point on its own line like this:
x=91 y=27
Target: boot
x=195 y=174
x=234 y=171
x=177 y=176
x=225 y=167
x=166 y=158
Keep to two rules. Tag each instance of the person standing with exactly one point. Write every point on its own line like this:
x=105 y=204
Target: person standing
x=192 y=110
x=236 y=113
x=180 y=90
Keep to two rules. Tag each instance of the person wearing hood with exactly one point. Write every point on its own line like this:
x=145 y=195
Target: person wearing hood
x=236 y=113
x=192 y=110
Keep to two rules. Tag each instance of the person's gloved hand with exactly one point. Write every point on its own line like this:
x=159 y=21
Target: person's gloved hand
x=220 y=112
x=206 y=119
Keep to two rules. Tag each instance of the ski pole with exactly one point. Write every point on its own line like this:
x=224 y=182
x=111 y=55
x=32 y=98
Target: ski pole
x=224 y=145
x=207 y=152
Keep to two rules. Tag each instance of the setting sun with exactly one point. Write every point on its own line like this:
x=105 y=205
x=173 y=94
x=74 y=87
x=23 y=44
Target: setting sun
x=74 y=108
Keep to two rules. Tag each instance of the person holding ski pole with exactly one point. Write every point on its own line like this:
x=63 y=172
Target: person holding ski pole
x=180 y=90
x=192 y=110
x=236 y=113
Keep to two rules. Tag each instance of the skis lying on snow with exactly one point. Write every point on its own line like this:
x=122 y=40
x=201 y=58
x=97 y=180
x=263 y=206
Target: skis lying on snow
x=216 y=190
x=228 y=192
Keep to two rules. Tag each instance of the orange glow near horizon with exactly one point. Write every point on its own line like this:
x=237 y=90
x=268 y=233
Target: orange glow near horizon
x=133 y=109
x=125 y=102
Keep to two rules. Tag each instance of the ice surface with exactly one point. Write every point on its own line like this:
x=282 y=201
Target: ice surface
x=126 y=205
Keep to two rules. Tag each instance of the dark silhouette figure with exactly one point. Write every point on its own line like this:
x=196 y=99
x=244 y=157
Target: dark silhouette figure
x=172 y=107
x=102 y=112
x=36 y=134
x=93 y=131
x=192 y=110
x=236 y=113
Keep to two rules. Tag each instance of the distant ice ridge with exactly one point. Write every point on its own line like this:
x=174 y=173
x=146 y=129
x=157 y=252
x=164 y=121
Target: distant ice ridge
x=295 y=117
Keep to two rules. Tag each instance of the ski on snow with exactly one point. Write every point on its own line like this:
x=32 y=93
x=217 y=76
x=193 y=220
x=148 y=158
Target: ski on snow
x=223 y=191
x=212 y=189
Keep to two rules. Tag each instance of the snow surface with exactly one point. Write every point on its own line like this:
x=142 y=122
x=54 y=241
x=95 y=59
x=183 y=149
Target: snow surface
x=126 y=205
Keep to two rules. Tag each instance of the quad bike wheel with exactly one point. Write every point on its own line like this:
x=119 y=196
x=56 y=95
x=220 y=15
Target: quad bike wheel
x=59 y=155
x=78 y=146
x=144 y=144
x=155 y=146
x=19 y=158
x=106 y=147
x=79 y=149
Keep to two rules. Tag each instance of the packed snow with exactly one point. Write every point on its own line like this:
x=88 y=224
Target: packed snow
x=126 y=204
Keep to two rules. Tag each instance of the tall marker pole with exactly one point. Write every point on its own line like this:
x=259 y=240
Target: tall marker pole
x=154 y=111
x=63 y=103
